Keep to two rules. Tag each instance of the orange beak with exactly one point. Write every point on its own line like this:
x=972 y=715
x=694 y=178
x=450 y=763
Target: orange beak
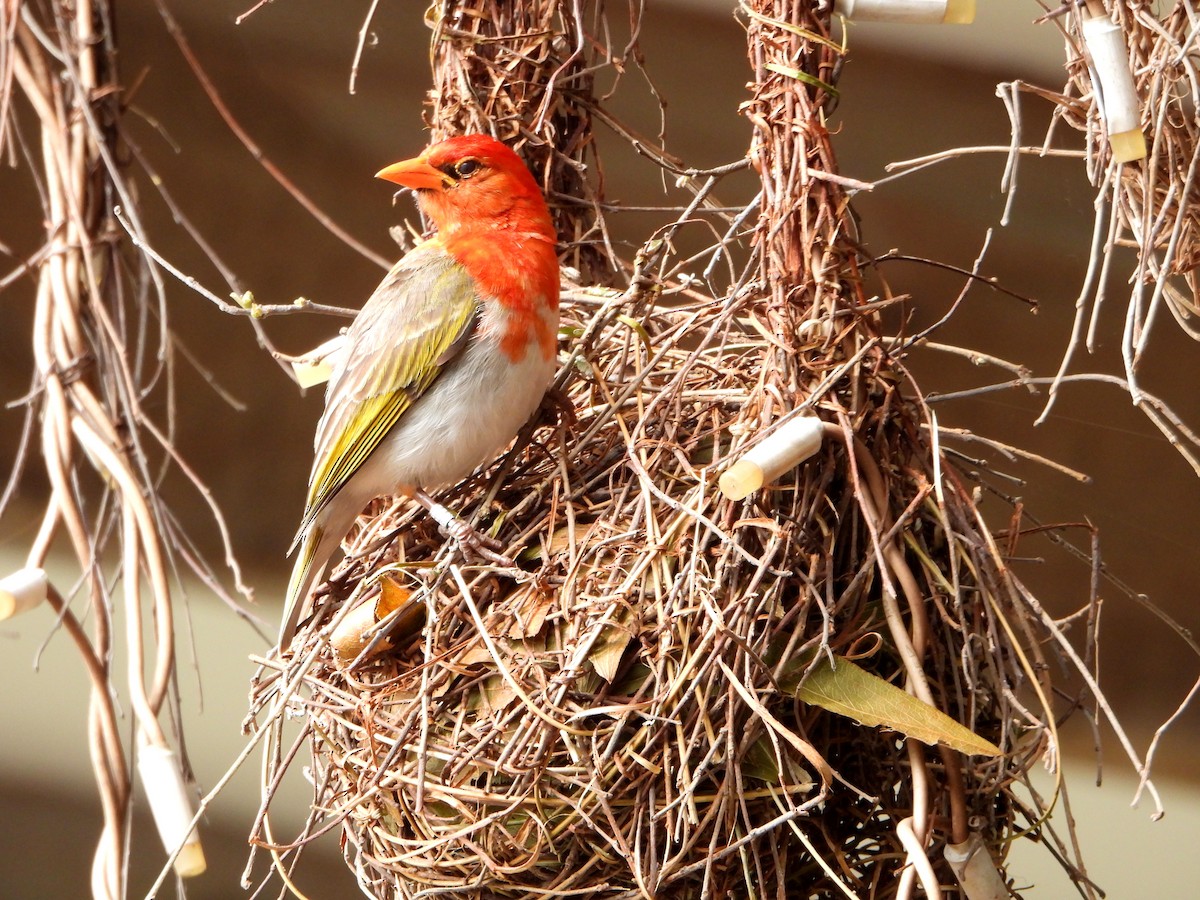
x=416 y=174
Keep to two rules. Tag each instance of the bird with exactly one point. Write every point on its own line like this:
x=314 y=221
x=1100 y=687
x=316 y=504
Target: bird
x=447 y=359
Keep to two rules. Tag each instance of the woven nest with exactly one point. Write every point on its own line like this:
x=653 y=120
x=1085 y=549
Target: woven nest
x=623 y=720
x=627 y=715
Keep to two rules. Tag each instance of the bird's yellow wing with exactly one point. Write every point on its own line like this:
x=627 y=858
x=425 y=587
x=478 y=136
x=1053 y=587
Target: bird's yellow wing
x=419 y=318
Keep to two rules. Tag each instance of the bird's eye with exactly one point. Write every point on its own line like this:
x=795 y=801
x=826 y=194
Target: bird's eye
x=467 y=168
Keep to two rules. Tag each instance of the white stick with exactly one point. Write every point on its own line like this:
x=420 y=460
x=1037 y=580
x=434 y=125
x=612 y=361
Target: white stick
x=442 y=516
x=975 y=869
x=1117 y=95
x=171 y=806
x=910 y=12
x=787 y=447
x=22 y=590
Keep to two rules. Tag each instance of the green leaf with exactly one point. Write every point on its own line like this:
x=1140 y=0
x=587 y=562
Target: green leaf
x=853 y=692
x=762 y=762
x=639 y=330
x=799 y=75
x=794 y=29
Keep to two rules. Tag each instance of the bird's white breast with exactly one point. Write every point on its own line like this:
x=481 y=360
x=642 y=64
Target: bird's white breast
x=475 y=407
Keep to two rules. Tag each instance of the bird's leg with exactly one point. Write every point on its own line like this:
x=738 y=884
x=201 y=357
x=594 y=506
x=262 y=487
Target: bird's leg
x=469 y=539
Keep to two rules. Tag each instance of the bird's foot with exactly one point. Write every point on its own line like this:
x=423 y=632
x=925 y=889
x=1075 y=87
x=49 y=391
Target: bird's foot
x=470 y=541
x=474 y=543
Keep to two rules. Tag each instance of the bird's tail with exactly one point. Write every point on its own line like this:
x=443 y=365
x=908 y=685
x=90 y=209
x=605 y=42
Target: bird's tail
x=310 y=562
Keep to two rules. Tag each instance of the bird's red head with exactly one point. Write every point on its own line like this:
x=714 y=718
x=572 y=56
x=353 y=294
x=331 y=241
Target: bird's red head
x=473 y=181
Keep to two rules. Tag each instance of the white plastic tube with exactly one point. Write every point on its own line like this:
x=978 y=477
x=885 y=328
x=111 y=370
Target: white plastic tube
x=22 y=590
x=171 y=806
x=910 y=12
x=787 y=447
x=1119 y=103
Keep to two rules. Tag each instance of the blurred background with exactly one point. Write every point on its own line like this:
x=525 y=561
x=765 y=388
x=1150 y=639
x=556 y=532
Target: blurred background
x=906 y=91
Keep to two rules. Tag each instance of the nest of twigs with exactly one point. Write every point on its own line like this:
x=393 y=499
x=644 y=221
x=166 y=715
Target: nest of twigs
x=630 y=712
x=623 y=717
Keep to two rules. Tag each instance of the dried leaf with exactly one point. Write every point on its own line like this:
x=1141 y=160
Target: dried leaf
x=394 y=596
x=548 y=549
x=530 y=614
x=851 y=691
x=474 y=653
x=495 y=693
x=607 y=651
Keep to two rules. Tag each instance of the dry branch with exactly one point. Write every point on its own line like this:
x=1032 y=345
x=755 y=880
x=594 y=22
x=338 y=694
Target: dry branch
x=102 y=351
